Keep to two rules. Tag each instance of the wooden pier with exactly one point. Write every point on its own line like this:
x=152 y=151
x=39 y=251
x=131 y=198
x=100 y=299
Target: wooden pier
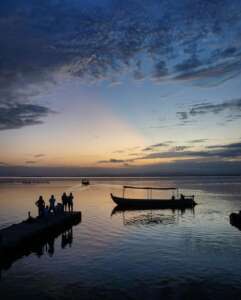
x=17 y=238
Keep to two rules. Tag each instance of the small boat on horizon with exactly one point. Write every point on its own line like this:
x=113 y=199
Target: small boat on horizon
x=85 y=181
x=178 y=202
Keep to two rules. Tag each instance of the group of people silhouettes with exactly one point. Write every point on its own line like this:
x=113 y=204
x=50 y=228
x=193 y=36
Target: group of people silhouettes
x=66 y=205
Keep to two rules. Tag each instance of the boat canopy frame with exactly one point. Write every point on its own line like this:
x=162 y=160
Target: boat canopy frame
x=150 y=189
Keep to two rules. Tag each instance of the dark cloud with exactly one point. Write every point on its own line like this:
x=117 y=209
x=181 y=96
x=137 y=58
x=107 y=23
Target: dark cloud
x=160 y=70
x=229 y=151
x=197 y=141
x=152 y=147
x=113 y=161
x=17 y=115
x=181 y=148
x=190 y=64
x=182 y=115
x=229 y=52
x=233 y=107
x=216 y=152
x=101 y=40
x=226 y=146
x=126 y=150
x=204 y=108
x=186 y=122
x=214 y=74
x=37 y=159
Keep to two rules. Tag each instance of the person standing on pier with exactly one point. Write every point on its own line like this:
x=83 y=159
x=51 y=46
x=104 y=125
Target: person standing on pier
x=70 y=202
x=52 y=204
x=41 y=205
x=65 y=201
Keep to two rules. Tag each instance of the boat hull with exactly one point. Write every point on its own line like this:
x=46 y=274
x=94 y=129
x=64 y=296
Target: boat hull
x=154 y=203
x=235 y=220
x=85 y=182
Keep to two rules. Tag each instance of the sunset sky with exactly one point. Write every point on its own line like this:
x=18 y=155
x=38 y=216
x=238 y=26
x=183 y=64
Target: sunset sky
x=107 y=86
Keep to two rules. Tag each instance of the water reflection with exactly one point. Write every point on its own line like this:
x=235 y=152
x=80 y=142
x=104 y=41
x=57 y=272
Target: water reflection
x=39 y=247
x=67 y=238
x=135 y=216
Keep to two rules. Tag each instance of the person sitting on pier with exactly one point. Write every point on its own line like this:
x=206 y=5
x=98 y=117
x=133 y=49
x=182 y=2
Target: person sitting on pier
x=52 y=204
x=41 y=205
x=65 y=201
x=70 y=202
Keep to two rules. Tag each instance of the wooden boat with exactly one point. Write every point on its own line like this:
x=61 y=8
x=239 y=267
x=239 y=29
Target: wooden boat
x=179 y=202
x=235 y=219
x=85 y=182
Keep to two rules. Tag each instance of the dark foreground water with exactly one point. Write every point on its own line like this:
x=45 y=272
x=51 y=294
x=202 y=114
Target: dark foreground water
x=159 y=254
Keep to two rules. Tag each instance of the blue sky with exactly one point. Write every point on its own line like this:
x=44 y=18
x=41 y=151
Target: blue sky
x=89 y=85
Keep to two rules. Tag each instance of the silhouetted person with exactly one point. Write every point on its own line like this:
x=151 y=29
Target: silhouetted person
x=52 y=204
x=70 y=202
x=65 y=201
x=41 y=205
x=182 y=197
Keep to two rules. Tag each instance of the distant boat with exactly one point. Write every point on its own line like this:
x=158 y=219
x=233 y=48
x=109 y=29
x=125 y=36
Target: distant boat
x=85 y=182
x=178 y=202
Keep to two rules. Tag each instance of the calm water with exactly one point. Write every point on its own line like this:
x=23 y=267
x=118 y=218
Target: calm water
x=156 y=254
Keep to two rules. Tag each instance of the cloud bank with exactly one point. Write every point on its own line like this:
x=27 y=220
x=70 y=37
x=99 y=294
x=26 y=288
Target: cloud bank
x=212 y=153
x=231 y=107
x=193 y=40
x=17 y=115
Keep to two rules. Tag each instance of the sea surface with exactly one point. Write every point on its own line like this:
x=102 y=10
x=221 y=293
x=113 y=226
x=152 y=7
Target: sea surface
x=146 y=254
